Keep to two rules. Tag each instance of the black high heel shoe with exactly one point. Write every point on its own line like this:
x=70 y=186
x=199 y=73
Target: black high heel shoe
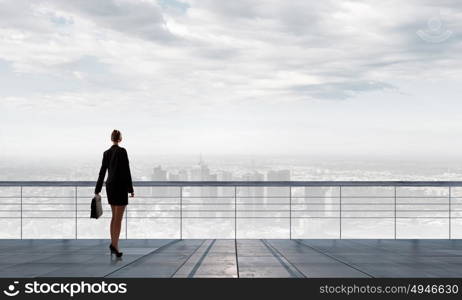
x=114 y=251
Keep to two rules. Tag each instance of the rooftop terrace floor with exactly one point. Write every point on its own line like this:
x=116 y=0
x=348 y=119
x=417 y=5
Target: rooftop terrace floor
x=232 y=258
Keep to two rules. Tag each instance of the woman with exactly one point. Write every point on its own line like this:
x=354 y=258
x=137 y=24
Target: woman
x=118 y=185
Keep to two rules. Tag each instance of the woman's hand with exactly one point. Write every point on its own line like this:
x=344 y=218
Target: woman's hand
x=132 y=195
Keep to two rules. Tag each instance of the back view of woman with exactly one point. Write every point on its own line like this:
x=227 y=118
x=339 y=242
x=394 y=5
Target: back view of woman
x=118 y=185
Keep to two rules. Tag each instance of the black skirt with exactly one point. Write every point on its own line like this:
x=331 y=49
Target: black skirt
x=117 y=194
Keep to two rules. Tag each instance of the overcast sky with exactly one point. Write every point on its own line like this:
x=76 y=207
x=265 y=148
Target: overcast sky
x=259 y=77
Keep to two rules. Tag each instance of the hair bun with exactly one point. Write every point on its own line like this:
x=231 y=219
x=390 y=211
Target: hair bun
x=115 y=135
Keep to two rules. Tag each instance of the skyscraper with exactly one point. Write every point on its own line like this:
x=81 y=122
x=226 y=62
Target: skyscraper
x=253 y=196
x=224 y=176
x=160 y=174
x=201 y=172
x=277 y=175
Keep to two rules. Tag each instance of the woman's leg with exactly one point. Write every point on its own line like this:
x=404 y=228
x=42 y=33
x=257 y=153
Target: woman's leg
x=113 y=240
x=118 y=216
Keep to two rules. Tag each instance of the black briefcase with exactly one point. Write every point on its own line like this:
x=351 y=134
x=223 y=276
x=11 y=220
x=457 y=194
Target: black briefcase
x=96 y=207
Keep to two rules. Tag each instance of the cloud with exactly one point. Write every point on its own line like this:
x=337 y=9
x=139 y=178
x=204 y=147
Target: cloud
x=340 y=90
x=138 y=18
x=202 y=59
x=235 y=45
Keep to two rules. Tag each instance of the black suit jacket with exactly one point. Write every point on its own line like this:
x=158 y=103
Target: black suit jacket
x=115 y=160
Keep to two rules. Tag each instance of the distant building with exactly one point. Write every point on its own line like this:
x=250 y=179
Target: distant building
x=282 y=192
x=225 y=191
x=278 y=175
x=226 y=176
x=253 y=176
x=213 y=191
x=160 y=174
x=201 y=172
x=325 y=199
x=183 y=175
x=253 y=196
x=173 y=177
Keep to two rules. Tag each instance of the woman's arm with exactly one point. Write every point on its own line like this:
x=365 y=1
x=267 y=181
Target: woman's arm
x=129 y=175
x=102 y=173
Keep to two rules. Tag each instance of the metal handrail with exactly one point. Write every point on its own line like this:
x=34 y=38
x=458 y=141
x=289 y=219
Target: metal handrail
x=240 y=201
x=248 y=183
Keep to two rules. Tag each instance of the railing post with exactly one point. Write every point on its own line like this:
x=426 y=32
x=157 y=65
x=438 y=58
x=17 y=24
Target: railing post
x=290 y=212
x=75 y=198
x=395 y=213
x=340 y=221
x=450 y=212
x=235 y=213
x=21 y=210
x=181 y=212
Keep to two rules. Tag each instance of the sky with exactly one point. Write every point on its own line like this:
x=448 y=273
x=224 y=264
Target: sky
x=231 y=77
